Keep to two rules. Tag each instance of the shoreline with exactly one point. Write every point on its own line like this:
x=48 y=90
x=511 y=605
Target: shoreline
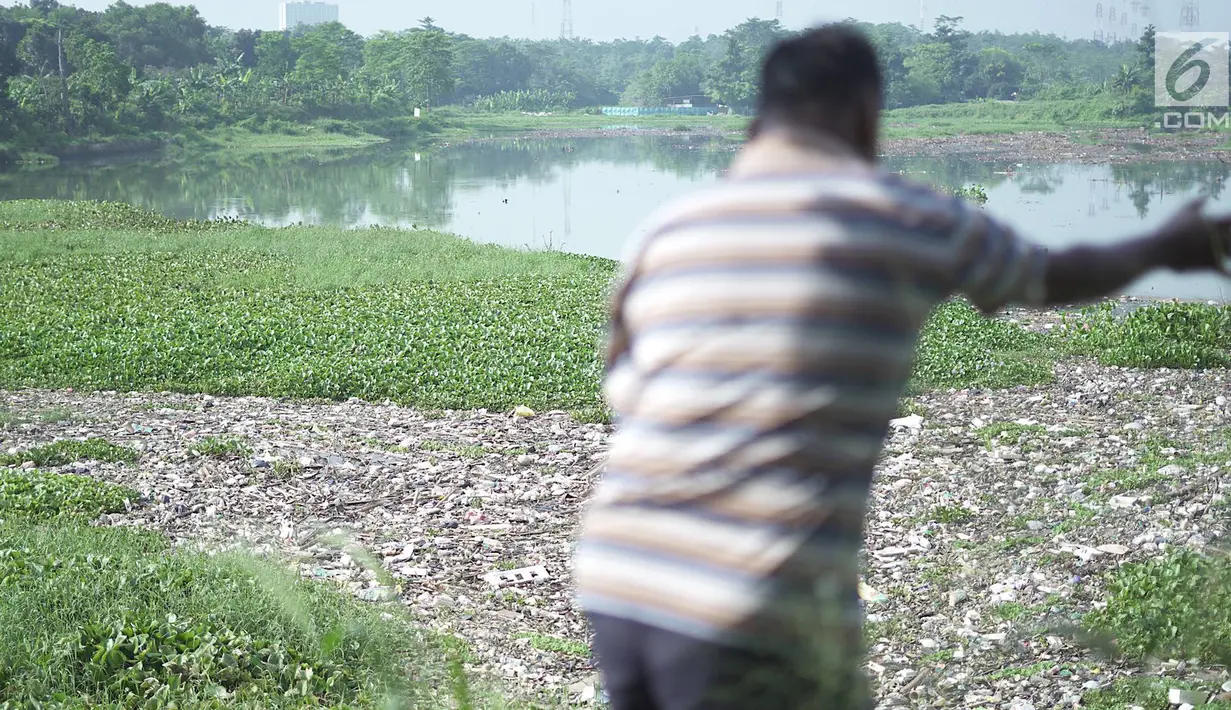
x=1078 y=145
x=1110 y=146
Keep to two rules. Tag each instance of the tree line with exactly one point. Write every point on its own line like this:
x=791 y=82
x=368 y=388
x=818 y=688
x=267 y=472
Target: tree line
x=68 y=73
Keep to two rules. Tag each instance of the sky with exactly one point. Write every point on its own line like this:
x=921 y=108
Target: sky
x=676 y=20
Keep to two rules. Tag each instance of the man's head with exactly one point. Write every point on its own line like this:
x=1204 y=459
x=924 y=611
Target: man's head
x=826 y=80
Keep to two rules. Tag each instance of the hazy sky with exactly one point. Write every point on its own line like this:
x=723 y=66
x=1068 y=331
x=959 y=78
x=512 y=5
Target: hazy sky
x=677 y=19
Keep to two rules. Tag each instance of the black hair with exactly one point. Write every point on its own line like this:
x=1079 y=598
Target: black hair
x=824 y=69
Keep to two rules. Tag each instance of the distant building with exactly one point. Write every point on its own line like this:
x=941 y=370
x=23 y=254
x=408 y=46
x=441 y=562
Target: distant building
x=293 y=14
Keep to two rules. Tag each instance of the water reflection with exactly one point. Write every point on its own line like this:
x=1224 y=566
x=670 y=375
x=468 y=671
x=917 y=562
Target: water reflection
x=588 y=195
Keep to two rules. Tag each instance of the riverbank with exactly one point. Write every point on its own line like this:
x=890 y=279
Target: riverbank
x=435 y=403
x=1005 y=132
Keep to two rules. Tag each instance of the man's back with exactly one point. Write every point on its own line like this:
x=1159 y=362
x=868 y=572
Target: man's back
x=763 y=336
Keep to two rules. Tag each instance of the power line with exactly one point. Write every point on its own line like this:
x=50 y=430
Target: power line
x=1190 y=15
x=566 y=24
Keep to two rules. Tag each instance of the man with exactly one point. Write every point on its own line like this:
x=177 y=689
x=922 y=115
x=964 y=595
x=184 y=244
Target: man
x=760 y=341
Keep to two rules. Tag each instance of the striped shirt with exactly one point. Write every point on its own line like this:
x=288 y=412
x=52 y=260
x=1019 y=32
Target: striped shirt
x=761 y=336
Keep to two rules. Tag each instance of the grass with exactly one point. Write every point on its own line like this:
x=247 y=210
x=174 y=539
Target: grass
x=240 y=140
x=97 y=616
x=10 y=418
x=555 y=644
x=950 y=514
x=979 y=117
x=1009 y=433
x=996 y=117
x=461 y=125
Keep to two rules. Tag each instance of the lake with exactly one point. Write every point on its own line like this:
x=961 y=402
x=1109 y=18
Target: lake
x=588 y=195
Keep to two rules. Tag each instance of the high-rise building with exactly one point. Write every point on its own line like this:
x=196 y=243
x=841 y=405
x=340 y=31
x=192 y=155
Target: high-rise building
x=304 y=12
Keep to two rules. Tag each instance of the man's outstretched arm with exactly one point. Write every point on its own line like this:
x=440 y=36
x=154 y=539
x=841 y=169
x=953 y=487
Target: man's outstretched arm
x=1002 y=268
x=1184 y=243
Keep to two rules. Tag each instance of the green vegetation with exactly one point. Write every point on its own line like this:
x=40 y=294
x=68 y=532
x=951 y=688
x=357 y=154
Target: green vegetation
x=71 y=76
x=555 y=644
x=221 y=448
x=951 y=514
x=108 y=296
x=66 y=451
x=1144 y=692
x=961 y=348
x=418 y=317
x=36 y=495
x=1181 y=335
x=1178 y=606
x=1008 y=433
x=100 y=616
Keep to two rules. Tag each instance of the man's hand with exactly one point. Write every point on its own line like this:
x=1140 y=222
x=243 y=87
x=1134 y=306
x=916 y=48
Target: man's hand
x=1188 y=241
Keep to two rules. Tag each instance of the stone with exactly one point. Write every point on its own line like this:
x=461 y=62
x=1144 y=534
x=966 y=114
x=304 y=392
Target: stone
x=1114 y=549
x=1122 y=501
x=377 y=594
x=1172 y=470
x=1179 y=696
x=913 y=421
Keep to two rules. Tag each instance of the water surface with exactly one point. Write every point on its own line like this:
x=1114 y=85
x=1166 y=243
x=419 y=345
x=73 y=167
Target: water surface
x=589 y=195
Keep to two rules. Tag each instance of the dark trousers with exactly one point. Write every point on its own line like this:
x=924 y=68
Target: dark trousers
x=648 y=668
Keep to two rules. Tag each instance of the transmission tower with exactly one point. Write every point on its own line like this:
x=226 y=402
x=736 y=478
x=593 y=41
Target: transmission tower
x=1190 y=15
x=566 y=24
x=778 y=11
x=1098 y=22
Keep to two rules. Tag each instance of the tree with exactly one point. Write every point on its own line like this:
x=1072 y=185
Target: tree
x=1145 y=50
x=275 y=54
x=999 y=74
x=670 y=78
x=244 y=44
x=329 y=55
x=159 y=35
x=1127 y=78
x=430 y=66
